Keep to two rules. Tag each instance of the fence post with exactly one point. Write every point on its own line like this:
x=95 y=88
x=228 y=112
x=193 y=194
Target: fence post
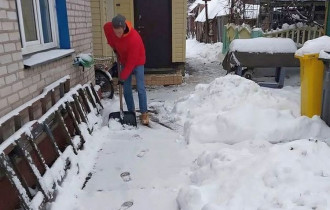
x=225 y=41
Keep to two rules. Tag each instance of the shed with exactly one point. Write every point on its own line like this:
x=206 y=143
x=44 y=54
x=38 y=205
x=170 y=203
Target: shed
x=218 y=11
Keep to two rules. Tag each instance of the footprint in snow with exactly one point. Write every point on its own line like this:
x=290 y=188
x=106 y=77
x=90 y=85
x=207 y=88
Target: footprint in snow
x=142 y=153
x=137 y=136
x=126 y=205
x=126 y=176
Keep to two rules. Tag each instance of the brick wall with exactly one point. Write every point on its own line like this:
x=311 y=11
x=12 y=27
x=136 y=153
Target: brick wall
x=80 y=27
x=11 y=65
x=19 y=85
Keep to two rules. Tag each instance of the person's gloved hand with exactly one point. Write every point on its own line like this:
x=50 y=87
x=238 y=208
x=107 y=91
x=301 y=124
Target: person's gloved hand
x=120 y=82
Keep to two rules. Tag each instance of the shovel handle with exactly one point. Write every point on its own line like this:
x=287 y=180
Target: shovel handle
x=121 y=97
x=120 y=86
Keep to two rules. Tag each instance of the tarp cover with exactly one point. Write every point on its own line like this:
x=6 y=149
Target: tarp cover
x=257 y=60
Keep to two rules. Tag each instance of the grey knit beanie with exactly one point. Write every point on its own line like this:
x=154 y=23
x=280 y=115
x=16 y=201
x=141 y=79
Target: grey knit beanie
x=119 y=21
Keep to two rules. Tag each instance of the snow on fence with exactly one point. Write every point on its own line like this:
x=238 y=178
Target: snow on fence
x=299 y=34
x=35 y=156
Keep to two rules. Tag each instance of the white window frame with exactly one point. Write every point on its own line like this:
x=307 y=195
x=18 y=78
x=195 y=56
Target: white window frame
x=38 y=45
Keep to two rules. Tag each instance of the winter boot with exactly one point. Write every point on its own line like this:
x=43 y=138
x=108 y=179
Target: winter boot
x=144 y=118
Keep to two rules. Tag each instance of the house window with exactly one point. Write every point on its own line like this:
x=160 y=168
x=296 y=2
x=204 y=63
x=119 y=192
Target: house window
x=37 y=20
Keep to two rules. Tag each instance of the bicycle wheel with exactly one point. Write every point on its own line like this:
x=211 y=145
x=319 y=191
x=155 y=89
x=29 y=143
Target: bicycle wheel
x=105 y=83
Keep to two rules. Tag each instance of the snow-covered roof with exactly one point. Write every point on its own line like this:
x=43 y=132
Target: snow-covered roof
x=195 y=4
x=215 y=8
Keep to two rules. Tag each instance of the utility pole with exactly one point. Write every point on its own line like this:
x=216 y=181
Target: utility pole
x=207 y=21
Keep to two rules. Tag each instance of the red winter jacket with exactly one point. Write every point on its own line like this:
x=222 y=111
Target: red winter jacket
x=129 y=47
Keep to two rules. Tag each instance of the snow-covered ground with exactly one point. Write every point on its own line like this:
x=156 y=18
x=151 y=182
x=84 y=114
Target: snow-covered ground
x=225 y=143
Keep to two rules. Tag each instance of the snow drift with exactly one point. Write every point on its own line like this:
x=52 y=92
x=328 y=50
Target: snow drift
x=259 y=175
x=232 y=109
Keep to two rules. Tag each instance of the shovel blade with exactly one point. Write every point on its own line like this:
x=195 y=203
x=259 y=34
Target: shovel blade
x=129 y=118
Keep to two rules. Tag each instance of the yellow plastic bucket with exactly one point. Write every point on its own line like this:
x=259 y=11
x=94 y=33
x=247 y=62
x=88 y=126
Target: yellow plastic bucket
x=311 y=77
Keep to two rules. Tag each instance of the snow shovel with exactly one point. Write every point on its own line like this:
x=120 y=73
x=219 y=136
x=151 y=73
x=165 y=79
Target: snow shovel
x=125 y=117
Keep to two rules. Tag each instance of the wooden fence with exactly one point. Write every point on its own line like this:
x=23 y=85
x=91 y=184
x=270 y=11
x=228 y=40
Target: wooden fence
x=298 y=34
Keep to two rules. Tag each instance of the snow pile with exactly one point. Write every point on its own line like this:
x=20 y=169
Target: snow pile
x=324 y=55
x=204 y=52
x=257 y=29
x=285 y=26
x=258 y=175
x=85 y=57
x=81 y=166
x=264 y=45
x=315 y=46
x=232 y=109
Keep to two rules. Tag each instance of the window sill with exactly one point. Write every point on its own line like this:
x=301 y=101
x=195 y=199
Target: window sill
x=46 y=57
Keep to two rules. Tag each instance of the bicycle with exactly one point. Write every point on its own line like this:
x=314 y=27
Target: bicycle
x=105 y=69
